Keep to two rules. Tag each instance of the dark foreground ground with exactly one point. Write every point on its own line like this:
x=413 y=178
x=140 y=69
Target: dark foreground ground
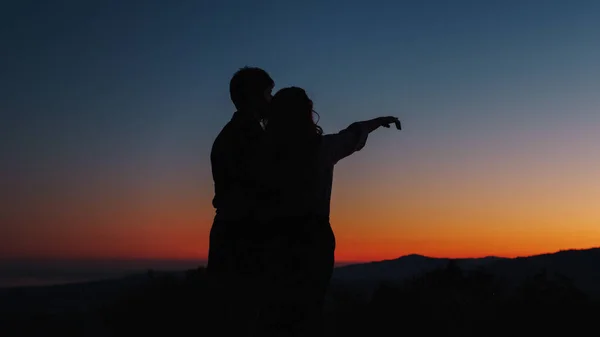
x=448 y=301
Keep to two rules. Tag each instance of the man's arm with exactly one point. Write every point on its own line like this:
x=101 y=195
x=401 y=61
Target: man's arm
x=241 y=162
x=240 y=158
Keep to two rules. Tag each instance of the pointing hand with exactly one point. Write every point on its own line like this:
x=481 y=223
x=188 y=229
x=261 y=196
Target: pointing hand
x=386 y=121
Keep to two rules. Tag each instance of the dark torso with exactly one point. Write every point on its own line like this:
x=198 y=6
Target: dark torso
x=236 y=168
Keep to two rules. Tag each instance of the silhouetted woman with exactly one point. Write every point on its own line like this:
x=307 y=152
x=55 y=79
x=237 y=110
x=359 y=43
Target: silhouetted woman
x=301 y=165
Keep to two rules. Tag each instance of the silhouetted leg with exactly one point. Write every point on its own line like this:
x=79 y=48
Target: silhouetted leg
x=221 y=276
x=274 y=294
x=232 y=282
x=317 y=262
x=299 y=270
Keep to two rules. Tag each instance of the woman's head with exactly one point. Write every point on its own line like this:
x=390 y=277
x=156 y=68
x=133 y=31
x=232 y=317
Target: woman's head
x=293 y=142
x=291 y=116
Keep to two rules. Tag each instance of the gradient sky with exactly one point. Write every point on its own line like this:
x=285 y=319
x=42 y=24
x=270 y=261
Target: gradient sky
x=109 y=110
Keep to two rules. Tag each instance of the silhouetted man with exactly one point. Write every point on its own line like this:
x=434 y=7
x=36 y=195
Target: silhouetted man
x=234 y=259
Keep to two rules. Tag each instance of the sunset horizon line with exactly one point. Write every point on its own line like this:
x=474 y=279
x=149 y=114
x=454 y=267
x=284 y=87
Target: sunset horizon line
x=203 y=260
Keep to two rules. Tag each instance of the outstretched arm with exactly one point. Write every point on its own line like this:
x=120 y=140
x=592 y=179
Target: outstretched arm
x=375 y=123
x=354 y=137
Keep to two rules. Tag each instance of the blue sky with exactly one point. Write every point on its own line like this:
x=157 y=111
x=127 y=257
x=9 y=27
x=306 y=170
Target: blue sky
x=132 y=93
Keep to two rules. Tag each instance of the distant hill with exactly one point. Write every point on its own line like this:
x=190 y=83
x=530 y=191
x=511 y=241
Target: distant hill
x=160 y=301
x=581 y=266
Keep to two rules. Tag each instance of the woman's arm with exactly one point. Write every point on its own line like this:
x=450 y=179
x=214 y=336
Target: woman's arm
x=373 y=124
x=354 y=137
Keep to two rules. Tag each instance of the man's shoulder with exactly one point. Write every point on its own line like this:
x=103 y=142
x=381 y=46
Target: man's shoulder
x=238 y=134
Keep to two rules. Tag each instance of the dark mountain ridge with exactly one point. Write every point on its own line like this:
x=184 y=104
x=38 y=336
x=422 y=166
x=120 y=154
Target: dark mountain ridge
x=582 y=267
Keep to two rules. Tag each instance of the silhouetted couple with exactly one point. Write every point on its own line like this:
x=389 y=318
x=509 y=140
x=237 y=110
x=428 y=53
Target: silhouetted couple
x=271 y=252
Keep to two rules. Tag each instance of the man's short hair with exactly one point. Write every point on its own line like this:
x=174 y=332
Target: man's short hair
x=248 y=84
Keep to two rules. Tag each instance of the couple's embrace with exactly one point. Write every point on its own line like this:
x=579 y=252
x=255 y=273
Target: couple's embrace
x=271 y=251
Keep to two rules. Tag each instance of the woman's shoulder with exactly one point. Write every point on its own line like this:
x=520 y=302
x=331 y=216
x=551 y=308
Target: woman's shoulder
x=329 y=145
x=327 y=140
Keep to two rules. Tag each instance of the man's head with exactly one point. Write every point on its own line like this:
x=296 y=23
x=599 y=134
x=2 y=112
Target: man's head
x=250 y=90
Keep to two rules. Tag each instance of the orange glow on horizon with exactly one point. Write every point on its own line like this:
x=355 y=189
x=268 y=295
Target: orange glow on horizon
x=473 y=208
x=180 y=231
